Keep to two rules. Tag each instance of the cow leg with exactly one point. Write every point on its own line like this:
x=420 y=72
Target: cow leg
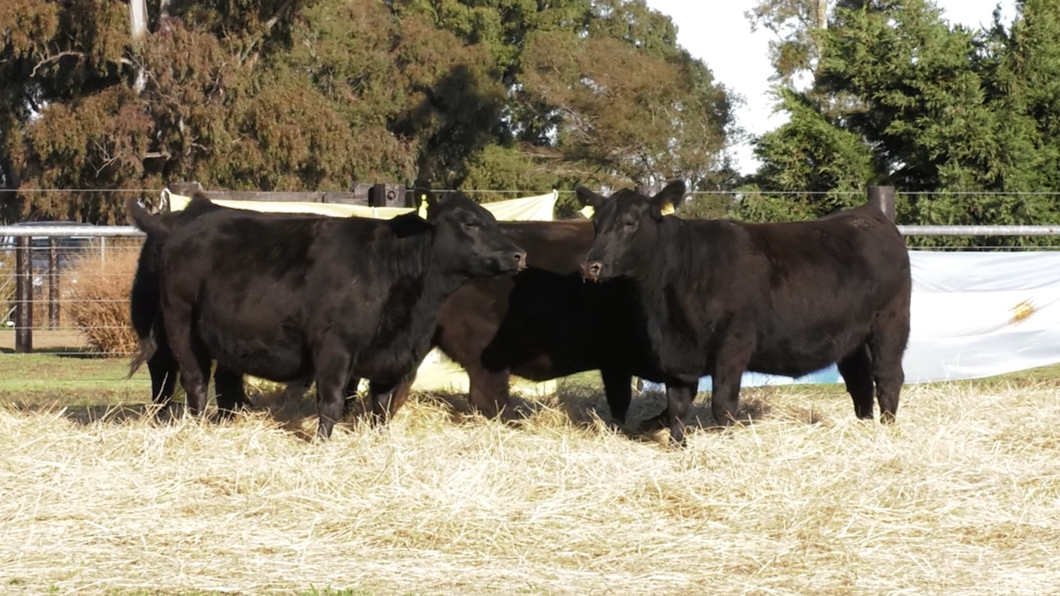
x=351 y=391
x=163 y=369
x=192 y=358
x=679 y=397
x=333 y=375
x=400 y=395
x=887 y=343
x=231 y=395
x=619 y=391
x=728 y=370
x=296 y=390
x=489 y=392
x=857 y=374
x=382 y=398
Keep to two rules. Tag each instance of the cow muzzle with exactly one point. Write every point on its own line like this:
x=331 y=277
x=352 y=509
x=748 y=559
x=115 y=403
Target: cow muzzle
x=592 y=270
x=520 y=260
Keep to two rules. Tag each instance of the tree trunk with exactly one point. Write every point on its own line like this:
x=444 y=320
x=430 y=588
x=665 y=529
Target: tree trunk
x=138 y=30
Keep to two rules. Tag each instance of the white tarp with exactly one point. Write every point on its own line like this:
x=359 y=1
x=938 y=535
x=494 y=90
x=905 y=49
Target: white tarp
x=973 y=315
x=536 y=208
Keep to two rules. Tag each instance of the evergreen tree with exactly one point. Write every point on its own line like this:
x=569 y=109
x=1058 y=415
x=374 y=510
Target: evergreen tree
x=962 y=122
x=319 y=94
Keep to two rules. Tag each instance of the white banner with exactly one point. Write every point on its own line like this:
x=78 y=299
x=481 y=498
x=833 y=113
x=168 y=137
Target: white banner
x=973 y=315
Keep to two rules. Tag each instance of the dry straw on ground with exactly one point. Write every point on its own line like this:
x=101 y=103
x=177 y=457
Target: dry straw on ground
x=961 y=497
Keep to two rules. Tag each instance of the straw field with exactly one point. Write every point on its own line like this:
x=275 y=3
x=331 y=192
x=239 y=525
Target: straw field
x=962 y=496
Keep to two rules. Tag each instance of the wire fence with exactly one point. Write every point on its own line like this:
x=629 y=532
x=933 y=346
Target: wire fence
x=81 y=275
x=77 y=299
x=80 y=290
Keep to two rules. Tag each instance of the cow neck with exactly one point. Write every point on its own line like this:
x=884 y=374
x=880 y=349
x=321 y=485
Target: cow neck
x=412 y=313
x=662 y=280
x=438 y=286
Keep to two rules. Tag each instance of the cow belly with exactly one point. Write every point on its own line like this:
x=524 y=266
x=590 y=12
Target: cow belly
x=539 y=357
x=789 y=365
x=275 y=352
x=798 y=355
x=383 y=365
x=542 y=368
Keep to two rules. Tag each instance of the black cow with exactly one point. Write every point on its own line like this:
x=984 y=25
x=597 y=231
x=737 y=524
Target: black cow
x=145 y=306
x=284 y=298
x=722 y=297
x=145 y=309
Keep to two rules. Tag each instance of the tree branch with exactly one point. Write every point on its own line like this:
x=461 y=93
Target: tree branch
x=67 y=53
x=54 y=58
x=269 y=24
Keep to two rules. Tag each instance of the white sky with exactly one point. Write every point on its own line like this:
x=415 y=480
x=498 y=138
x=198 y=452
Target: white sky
x=718 y=33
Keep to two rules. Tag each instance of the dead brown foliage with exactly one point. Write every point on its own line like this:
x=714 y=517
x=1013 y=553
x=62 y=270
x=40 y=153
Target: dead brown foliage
x=98 y=299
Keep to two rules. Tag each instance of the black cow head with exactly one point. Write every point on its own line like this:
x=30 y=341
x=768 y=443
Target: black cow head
x=467 y=239
x=627 y=226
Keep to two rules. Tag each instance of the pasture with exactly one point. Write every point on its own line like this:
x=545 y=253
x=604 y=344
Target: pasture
x=962 y=496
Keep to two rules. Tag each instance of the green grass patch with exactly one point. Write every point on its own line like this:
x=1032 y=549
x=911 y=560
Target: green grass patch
x=49 y=380
x=46 y=380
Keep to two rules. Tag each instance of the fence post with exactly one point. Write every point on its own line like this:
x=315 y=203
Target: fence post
x=386 y=195
x=883 y=197
x=23 y=296
x=53 y=284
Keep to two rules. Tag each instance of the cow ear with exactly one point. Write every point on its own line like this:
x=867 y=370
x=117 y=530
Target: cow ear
x=667 y=200
x=589 y=198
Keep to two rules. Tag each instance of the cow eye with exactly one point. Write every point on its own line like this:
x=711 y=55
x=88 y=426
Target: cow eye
x=472 y=225
x=629 y=225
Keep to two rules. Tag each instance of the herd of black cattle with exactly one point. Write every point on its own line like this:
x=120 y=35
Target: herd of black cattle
x=302 y=298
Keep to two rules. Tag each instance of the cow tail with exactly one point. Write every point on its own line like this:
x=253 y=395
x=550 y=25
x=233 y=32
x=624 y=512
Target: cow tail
x=145 y=301
x=145 y=348
x=147 y=223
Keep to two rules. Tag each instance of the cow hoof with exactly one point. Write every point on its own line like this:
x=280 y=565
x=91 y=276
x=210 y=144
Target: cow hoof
x=510 y=417
x=653 y=424
x=677 y=436
x=163 y=415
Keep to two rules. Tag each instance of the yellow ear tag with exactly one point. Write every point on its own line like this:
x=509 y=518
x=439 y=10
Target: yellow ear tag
x=423 y=206
x=588 y=210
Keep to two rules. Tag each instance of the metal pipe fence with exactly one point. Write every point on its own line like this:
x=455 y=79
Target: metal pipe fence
x=67 y=287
